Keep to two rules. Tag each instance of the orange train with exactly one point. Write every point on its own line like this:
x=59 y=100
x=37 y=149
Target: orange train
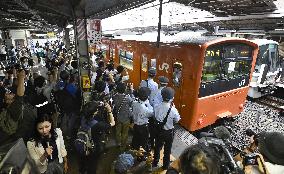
x=210 y=75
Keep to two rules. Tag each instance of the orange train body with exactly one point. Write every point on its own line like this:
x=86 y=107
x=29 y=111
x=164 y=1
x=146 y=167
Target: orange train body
x=199 y=97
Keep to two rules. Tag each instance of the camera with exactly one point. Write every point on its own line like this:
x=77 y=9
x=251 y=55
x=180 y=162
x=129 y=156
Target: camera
x=249 y=159
x=222 y=146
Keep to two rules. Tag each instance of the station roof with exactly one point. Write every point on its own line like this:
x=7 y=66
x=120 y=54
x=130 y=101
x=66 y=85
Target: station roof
x=52 y=13
x=47 y=14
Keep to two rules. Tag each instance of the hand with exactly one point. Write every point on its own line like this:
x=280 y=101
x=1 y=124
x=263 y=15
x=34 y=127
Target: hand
x=251 y=139
x=140 y=152
x=65 y=167
x=55 y=70
x=49 y=150
x=14 y=71
x=149 y=159
x=130 y=86
x=111 y=77
x=176 y=164
x=22 y=74
x=107 y=106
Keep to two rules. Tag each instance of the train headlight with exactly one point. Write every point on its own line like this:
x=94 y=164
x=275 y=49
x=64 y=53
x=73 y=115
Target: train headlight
x=200 y=121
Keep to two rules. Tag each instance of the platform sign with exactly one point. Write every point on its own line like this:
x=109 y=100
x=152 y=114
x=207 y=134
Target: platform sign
x=86 y=82
x=94 y=31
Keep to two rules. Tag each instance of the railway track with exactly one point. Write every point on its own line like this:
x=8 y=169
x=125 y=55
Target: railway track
x=272 y=101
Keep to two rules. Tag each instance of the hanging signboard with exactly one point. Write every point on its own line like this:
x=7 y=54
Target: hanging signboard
x=94 y=31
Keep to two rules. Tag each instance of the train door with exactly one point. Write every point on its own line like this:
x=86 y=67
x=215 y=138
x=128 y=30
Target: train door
x=170 y=64
x=273 y=57
x=177 y=81
x=147 y=59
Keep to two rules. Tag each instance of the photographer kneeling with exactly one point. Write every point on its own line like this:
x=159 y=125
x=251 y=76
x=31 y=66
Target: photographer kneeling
x=265 y=154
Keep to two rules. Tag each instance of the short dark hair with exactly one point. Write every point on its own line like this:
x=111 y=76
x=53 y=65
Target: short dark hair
x=100 y=86
x=101 y=64
x=39 y=81
x=200 y=159
x=119 y=69
x=42 y=118
x=89 y=109
x=121 y=87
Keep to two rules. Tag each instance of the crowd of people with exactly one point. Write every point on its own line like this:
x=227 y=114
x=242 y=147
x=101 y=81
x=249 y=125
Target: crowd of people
x=42 y=103
x=30 y=102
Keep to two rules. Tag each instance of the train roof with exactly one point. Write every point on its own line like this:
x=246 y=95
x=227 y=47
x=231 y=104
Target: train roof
x=193 y=40
x=179 y=38
x=260 y=42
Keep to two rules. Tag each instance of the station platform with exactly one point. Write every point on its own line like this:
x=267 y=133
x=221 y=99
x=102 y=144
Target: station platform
x=102 y=165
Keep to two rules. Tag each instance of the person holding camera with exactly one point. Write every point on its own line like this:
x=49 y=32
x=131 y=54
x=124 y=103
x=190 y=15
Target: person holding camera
x=12 y=112
x=122 y=112
x=121 y=75
x=197 y=159
x=264 y=155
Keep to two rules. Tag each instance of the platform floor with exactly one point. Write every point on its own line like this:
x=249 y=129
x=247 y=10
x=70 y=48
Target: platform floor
x=182 y=140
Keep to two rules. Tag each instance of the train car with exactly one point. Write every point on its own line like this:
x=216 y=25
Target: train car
x=267 y=70
x=211 y=80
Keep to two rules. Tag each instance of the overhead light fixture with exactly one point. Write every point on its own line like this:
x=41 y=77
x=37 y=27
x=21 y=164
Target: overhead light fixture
x=279 y=29
x=69 y=26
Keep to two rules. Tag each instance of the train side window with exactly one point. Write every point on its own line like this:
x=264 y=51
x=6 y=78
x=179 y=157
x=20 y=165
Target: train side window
x=144 y=63
x=153 y=63
x=177 y=74
x=212 y=64
x=126 y=59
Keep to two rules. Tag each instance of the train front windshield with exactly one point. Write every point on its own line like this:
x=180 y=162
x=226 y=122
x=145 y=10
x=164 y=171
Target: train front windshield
x=226 y=67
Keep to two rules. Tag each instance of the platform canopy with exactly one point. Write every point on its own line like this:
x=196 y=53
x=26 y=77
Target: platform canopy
x=230 y=14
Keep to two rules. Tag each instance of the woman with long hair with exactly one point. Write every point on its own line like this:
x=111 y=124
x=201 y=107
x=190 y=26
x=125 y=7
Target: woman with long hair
x=47 y=147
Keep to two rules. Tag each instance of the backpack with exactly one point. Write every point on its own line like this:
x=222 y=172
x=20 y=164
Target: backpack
x=84 y=143
x=7 y=124
x=66 y=102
